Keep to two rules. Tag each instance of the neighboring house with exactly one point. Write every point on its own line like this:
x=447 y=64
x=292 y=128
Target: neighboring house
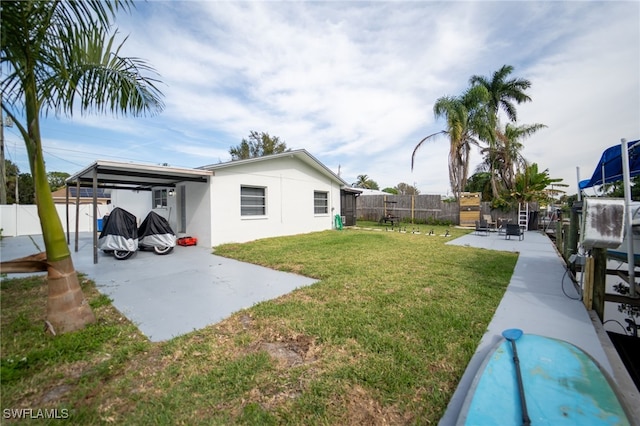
x=103 y=196
x=236 y=201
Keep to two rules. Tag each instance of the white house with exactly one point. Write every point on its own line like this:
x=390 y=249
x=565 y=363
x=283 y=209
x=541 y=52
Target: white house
x=236 y=201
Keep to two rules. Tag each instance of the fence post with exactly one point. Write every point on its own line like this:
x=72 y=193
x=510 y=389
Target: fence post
x=559 y=238
x=599 y=279
x=587 y=294
x=413 y=205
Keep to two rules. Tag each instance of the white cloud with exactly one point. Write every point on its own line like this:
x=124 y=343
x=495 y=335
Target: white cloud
x=354 y=83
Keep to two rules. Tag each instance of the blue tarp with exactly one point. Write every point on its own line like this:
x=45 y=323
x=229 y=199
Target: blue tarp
x=610 y=165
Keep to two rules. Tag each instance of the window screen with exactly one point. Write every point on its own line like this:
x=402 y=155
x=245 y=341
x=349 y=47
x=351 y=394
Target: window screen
x=253 y=201
x=320 y=202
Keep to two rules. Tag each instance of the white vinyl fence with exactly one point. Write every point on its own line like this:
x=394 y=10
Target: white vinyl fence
x=18 y=219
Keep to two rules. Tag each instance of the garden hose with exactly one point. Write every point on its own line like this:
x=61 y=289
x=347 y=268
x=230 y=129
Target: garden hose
x=338 y=222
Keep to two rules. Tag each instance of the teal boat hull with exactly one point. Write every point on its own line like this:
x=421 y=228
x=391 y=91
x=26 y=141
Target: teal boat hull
x=562 y=384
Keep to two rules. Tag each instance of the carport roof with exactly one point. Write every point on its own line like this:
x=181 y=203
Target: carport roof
x=119 y=175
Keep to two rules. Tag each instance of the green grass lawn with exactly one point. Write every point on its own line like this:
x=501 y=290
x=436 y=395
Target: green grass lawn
x=382 y=338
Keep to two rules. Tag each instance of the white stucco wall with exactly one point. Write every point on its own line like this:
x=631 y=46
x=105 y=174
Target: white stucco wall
x=140 y=204
x=290 y=186
x=198 y=212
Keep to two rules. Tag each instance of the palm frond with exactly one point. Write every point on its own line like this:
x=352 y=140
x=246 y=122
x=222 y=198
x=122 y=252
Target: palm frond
x=413 y=154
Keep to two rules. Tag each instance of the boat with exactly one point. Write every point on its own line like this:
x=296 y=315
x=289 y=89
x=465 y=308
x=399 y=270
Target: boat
x=620 y=253
x=561 y=384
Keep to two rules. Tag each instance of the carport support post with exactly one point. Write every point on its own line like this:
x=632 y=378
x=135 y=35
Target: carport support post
x=95 y=215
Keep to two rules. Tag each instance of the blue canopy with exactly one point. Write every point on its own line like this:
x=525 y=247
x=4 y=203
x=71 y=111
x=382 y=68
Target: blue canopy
x=610 y=165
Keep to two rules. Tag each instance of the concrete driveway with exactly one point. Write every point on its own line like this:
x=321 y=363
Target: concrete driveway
x=167 y=296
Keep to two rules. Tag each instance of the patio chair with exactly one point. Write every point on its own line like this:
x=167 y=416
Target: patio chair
x=490 y=222
x=513 y=229
x=482 y=228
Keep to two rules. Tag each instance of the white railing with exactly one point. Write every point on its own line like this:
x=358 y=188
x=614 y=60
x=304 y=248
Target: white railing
x=19 y=219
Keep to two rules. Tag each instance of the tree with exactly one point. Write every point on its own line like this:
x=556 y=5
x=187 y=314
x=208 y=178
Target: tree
x=502 y=95
x=26 y=189
x=480 y=181
x=466 y=122
x=616 y=189
x=504 y=159
x=57 y=179
x=531 y=185
x=57 y=55
x=388 y=190
x=12 y=172
x=258 y=145
x=366 y=183
x=406 y=189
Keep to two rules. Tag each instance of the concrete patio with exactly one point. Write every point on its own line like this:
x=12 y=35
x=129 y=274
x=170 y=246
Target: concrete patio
x=167 y=296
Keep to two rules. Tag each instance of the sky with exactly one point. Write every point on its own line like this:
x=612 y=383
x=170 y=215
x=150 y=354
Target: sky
x=354 y=83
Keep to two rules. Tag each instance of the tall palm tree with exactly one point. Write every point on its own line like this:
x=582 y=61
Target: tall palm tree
x=57 y=55
x=466 y=121
x=510 y=150
x=503 y=92
x=505 y=157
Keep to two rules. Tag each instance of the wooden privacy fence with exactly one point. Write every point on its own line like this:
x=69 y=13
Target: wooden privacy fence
x=420 y=209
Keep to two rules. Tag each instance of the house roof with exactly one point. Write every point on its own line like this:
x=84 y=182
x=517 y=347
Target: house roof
x=300 y=154
x=119 y=175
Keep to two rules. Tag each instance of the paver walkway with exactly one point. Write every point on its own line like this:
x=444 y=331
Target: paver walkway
x=536 y=303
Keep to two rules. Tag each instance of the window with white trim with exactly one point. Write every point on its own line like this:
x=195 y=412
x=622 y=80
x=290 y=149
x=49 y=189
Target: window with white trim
x=320 y=202
x=159 y=198
x=253 y=201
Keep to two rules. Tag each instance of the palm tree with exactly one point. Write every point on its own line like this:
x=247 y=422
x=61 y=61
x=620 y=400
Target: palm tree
x=502 y=92
x=511 y=150
x=365 y=183
x=531 y=184
x=505 y=157
x=466 y=121
x=502 y=95
x=56 y=55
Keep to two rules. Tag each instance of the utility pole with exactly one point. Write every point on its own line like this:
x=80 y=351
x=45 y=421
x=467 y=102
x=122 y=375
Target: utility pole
x=3 y=169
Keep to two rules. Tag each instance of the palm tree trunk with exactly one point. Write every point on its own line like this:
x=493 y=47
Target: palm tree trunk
x=67 y=308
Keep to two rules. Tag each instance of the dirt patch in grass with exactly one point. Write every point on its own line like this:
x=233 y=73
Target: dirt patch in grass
x=290 y=352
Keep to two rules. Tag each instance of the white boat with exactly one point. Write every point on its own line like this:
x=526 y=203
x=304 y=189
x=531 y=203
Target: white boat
x=620 y=253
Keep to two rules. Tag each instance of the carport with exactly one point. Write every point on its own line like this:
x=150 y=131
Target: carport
x=128 y=176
